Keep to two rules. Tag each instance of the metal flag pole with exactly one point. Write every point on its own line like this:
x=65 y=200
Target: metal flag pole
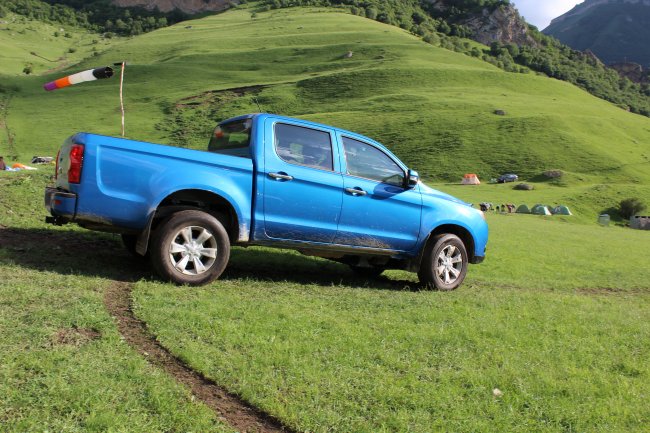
x=122 y=94
x=91 y=75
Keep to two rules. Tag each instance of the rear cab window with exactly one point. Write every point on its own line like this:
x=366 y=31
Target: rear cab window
x=232 y=138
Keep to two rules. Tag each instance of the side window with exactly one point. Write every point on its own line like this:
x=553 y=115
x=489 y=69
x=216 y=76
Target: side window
x=364 y=160
x=304 y=146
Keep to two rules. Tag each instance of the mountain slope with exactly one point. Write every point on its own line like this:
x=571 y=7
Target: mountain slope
x=42 y=46
x=433 y=107
x=615 y=31
x=187 y=6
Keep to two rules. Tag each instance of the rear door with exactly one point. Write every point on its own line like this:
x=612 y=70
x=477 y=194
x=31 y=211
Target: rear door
x=303 y=186
x=378 y=211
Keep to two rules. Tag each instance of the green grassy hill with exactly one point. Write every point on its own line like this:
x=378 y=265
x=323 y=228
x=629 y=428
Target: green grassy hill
x=43 y=46
x=433 y=107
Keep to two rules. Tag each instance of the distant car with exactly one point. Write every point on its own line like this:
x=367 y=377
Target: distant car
x=509 y=177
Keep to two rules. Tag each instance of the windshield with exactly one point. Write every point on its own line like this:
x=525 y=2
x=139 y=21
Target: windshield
x=232 y=138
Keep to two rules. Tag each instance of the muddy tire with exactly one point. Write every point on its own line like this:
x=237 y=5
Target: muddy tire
x=190 y=247
x=444 y=264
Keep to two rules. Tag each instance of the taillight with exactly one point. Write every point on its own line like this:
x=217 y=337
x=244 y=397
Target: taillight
x=76 y=162
x=56 y=168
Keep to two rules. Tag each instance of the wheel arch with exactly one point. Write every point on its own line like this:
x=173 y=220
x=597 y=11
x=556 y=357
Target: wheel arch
x=208 y=201
x=462 y=232
x=214 y=203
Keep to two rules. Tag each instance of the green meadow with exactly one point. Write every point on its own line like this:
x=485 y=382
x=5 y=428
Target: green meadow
x=46 y=47
x=556 y=318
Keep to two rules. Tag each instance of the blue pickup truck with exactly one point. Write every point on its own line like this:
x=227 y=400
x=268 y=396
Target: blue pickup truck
x=266 y=180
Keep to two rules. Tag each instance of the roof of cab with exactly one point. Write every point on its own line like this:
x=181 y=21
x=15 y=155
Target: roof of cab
x=307 y=122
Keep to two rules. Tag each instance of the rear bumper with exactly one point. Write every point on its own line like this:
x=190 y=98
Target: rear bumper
x=62 y=205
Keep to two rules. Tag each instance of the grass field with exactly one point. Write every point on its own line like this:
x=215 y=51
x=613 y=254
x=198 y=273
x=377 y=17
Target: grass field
x=45 y=47
x=556 y=318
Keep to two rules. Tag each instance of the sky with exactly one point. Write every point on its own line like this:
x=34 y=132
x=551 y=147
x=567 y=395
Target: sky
x=541 y=12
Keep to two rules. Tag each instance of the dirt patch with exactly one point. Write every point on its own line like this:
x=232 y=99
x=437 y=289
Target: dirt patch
x=602 y=291
x=230 y=408
x=208 y=97
x=75 y=336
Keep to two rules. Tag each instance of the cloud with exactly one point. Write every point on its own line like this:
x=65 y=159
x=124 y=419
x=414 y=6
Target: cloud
x=540 y=14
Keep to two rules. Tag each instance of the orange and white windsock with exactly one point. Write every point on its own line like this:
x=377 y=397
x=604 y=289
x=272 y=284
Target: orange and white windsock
x=81 y=77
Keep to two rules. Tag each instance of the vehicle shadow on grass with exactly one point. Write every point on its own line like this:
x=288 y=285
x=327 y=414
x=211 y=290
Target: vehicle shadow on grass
x=69 y=252
x=74 y=252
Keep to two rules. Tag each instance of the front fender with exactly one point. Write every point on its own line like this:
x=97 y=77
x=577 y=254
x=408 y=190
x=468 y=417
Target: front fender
x=454 y=214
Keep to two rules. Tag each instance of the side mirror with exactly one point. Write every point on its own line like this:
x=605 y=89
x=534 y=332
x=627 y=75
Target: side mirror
x=412 y=179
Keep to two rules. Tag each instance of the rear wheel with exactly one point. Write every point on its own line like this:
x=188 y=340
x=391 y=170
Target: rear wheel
x=444 y=264
x=190 y=247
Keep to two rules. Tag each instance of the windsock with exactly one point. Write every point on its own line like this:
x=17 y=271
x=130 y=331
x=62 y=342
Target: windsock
x=89 y=75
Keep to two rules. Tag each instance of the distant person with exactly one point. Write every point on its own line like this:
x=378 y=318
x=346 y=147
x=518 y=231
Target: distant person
x=3 y=166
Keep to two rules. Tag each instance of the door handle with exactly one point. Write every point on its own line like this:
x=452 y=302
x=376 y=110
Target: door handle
x=355 y=191
x=280 y=176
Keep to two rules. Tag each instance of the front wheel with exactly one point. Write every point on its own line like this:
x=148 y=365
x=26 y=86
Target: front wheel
x=444 y=264
x=190 y=247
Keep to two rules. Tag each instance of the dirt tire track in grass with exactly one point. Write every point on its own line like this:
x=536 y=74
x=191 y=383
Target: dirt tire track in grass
x=4 y=113
x=230 y=408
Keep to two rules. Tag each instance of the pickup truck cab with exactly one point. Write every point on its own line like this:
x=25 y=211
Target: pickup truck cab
x=266 y=180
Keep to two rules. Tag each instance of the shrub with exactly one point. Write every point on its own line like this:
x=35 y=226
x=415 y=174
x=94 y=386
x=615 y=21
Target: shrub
x=553 y=174
x=630 y=207
x=524 y=187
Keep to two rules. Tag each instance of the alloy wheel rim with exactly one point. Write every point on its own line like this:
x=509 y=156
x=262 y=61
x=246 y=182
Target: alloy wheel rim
x=193 y=250
x=449 y=264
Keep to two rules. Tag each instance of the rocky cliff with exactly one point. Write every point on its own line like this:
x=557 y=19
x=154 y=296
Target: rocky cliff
x=633 y=71
x=489 y=24
x=503 y=24
x=187 y=6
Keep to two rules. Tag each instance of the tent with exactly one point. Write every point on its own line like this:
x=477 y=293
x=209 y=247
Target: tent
x=470 y=179
x=561 y=210
x=540 y=209
x=523 y=209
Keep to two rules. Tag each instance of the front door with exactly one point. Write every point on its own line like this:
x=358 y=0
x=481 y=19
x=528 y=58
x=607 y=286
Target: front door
x=378 y=212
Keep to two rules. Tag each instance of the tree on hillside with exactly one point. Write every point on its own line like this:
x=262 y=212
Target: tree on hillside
x=630 y=207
